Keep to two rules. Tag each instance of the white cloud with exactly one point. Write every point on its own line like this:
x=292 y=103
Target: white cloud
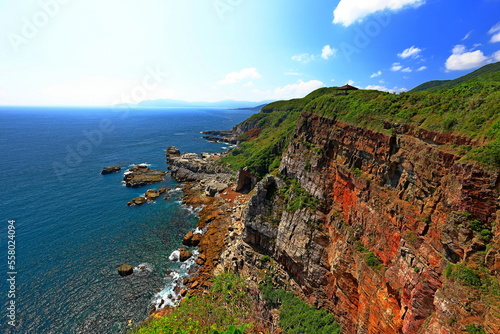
x=249 y=84
x=350 y=82
x=385 y=89
x=410 y=52
x=350 y=11
x=496 y=56
x=467 y=36
x=407 y=70
x=422 y=68
x=296 y=90
x=327 y=52
x=495 y=31
x=396 y=67
x=461 y=59
x=235 y=77
x=376 y=74
x=304 y=58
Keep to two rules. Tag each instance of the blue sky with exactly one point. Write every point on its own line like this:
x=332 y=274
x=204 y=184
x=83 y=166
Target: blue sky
x=75 y=52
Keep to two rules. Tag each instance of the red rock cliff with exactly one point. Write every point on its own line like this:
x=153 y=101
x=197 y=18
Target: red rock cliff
x=401 y=198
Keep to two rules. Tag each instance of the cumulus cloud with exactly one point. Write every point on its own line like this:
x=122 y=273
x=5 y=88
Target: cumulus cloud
x=396 y=67
x=304 y=58
x=421 y=68
x=495 y=31
x=350 y=82
x=461 y=59
x=407 y=70
x=410 y=52
x=376 y=74
x=385 y=89
x=350 y=11
x=235 y=77
x=296 y=90
x=327 y=52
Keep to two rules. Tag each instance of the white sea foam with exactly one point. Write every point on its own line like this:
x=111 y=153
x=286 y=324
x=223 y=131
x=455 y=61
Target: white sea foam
x=144 y=267
x=174 y=256
x=173 y=283
x=198 y=231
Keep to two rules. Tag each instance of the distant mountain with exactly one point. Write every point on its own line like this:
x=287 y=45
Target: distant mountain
x=167 y=103
x=481 y=73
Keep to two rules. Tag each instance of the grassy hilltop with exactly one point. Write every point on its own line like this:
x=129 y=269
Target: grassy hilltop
x=467 y=106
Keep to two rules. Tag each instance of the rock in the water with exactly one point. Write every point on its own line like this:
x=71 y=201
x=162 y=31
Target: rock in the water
x=141 y=175
x=110 y=169
x=192 y=239
x=162 y=190
x=184 y=254
x=137 y=201
x=152 y=194
x=125 y=270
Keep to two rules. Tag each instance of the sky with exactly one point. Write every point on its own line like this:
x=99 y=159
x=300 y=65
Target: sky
x=105 y=52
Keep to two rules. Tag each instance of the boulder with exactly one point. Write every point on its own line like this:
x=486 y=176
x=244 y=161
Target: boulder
x=184 y=255
x=110 y=169
x=162 y=190
x=192 y=239
x=214 y=188
x=125 y=270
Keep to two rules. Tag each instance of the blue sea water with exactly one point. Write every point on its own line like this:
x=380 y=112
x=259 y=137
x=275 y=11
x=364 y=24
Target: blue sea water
x=73 y=227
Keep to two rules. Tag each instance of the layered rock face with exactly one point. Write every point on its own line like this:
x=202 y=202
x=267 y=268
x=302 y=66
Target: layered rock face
x=395 y=208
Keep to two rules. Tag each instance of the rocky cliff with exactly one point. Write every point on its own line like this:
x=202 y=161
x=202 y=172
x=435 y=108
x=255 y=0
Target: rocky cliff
x=389 y=230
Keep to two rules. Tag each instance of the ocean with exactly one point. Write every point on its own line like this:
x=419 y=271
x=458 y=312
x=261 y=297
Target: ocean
x=71 y=225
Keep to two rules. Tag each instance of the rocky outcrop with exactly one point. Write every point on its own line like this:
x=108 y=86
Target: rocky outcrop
x=391 y=211
x=125 y=270
x=193 y=167
x=228 y=137
x=110 y=170
x=141 y=175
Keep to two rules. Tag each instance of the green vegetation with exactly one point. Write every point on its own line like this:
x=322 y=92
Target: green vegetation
x=477 y=277
x=467 y=106
x=441 y=84
x=297 y=317
x=297 y=197
x=371 y=259
x=226 y=305
x=484 y=231
x=473 y=329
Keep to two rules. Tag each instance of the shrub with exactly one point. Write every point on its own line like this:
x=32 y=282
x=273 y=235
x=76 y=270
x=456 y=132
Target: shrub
x=226 y=305
x=473 y=329
x=296 y=316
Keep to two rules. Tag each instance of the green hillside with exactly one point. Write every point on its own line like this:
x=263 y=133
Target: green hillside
x=468 y=107
x=441 y=84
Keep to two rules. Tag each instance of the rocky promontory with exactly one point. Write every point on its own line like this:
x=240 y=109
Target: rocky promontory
x=141 y=175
